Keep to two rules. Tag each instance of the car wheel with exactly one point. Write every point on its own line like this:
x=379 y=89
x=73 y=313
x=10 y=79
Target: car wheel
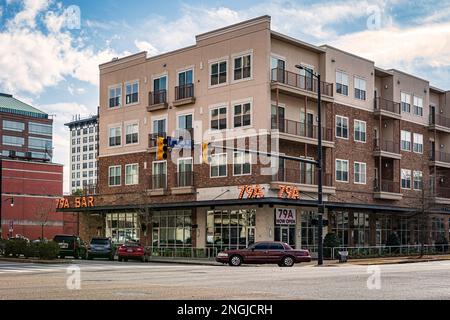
x=288 y=261
x=62 y=257
x=235 y=261
x=111 y=258
x=119 y=259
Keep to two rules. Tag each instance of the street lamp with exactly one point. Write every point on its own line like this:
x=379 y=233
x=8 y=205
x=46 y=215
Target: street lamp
x=319 y=164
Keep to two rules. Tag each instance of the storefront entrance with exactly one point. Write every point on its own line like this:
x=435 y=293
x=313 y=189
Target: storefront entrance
x=285 y=234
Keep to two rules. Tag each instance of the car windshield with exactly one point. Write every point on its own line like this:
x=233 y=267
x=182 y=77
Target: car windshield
x=102 y=242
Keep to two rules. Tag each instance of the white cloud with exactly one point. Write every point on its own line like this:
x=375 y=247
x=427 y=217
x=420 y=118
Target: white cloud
x=32 y=59
x=146 y=46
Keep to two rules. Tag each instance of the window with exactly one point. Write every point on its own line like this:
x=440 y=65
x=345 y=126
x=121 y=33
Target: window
x=418 y=106
x=132 y=133
x=406 y=179
x=115 y=136
x=115 y=97
x=160 y=84
x=243 y=67
x=242 y=115
x=39 y=128
x=13 y=126
x=360 y=173
x=219 y=165
x=342 y=83
x=219 y=118
x=406 y=140
x=159 y=126
x=341 y=127
x=131 y=174
x=39 y=143
x=74 y=133
x=360 y=89
x=159 y=178
x=132 y=90
x=241 y=164
x=360 y=131
x=418 y=143
x=418 y=180
x=91 y=139
x=91 y=129
x=73 y=141
x=85 y=156
x=185 y=172
x=185 y=121
x=85 y=140
x=171 y=228
x=115 y=175
x=342 y=170
x=406 y=102
x=13 y=141
x=218 y=73
x=85 y=130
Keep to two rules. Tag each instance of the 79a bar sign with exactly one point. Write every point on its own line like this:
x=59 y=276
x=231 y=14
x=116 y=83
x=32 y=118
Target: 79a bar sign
x=251 y=192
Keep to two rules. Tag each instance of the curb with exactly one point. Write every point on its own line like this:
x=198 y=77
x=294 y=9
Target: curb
x=191 y=262
x=397 y=262
x=35 y=261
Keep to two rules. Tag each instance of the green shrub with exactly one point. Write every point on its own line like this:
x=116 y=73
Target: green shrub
x=15 y=247
x=31 y=250
x=48 y=250
x=330 y=241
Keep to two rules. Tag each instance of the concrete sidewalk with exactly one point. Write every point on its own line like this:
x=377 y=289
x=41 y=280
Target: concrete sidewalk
x=362 y=262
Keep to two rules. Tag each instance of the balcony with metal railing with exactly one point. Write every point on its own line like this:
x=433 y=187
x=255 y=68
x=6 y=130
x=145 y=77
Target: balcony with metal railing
x=387 y=108
x=441 y=195
x=440 y=123
x=296 y=84
x=159 y=182
x=184 y=183
x=440 y=159
x=184 y=95
x=386 y=149
x=306 y=181
x=302 y=132
x=157 y=100
x=387 y=190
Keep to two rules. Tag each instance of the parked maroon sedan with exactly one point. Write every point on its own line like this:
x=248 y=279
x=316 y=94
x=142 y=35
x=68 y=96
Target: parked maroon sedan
x=265 y=252
x=132 y=251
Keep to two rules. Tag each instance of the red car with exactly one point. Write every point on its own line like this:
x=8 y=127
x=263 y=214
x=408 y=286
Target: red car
x=265 y=252
x=132 y=251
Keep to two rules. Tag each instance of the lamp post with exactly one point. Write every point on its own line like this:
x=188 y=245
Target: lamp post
x=1 y=205
x=319 y=164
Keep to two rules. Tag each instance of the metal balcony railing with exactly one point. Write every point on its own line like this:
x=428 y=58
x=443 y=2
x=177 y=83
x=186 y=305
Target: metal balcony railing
x=157 y=97
x=386 y=145
x=302 y=129
x=440 y=156
x=301 y=82
x=302 y=177
x=387 y=105
x=437 y=119
x=159 y=181
x=387 y=186
x=184 y=92
x=185 y=179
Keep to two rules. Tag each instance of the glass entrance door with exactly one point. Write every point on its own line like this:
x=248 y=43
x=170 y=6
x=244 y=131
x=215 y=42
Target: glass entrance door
x=285 y=234
x=250 y=236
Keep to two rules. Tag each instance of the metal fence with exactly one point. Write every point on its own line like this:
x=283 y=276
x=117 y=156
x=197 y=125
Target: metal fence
x=387 y=251
x=189 y=253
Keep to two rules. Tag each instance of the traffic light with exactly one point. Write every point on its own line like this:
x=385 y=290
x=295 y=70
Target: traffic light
x=161 y=153
x=205 y=152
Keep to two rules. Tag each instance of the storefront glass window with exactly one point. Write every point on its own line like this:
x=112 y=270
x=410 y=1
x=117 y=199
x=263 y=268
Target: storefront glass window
x=340 y=225
x=437 y=229
x=383 y=229
x=309 y=231
x=123 y=227
x=230 y=229
x=361 y=234
x=172 y=228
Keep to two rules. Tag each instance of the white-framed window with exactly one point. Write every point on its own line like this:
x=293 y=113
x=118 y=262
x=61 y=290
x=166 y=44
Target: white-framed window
x=218 y=116
x=218 y=165
x=185 y=121
x=132 y=92
x=159 y=126
x=360 y=88
x=360 y=131
x=132 y=174
x=341 y=127
x=341 y=170
x=418 y=180
x=418 y=143
x=242 y=116
x=160 y=83
x=405 y=140
x=406 y=102
x=342 y=83
x=115 y=136
x=185 y=172
x=406 y=179
x=115 y=96
x=360 y=173
x=418 y=106
x=242 y=163
x=115 y=176
x=132 y=133
x=218 y=73
x=242 y=67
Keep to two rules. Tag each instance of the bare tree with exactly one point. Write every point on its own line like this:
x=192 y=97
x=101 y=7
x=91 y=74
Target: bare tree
x=42 y=213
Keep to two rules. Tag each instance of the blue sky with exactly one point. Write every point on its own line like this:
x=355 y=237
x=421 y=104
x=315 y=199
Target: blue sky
x=52 y=64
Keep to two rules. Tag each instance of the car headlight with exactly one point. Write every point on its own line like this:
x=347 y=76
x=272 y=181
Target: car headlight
x=222 y=255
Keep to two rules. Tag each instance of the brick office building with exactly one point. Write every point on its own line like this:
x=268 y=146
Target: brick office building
x=386 y=145
x=30 y=183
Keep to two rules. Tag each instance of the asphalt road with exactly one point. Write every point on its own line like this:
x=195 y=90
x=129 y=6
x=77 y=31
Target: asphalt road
x=113 y=280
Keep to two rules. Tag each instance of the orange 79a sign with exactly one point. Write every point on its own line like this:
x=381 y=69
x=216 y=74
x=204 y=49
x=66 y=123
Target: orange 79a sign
x=251 y=192
x=289 y=192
